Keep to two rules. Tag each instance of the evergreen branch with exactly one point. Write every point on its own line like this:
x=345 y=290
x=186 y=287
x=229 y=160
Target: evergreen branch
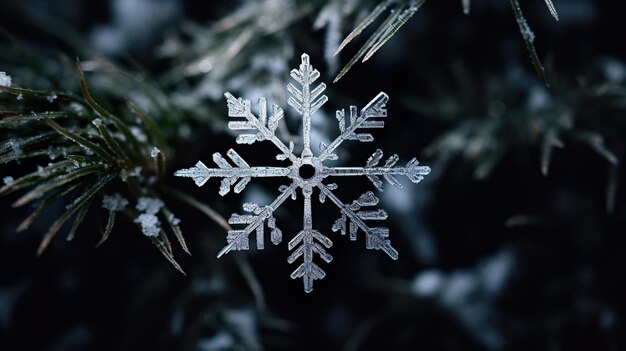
x=90 y=191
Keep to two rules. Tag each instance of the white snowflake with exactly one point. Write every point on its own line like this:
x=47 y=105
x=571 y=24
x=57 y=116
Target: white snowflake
x=306 y=172
x=155 y=152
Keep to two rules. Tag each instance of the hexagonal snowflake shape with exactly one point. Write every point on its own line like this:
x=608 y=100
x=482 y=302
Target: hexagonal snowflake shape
x=306 y=172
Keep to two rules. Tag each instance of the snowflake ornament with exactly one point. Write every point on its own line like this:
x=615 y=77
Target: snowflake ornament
x=306 y=172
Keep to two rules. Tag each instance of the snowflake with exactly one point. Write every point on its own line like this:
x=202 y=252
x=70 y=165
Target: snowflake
x=306 y=172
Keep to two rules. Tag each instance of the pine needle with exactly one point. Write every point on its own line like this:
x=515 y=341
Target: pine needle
x=171 y=220
x=393 y=29
x=529 y=38
x=90 y=191
x=552 y=9
x=108 y=228
x=368 y=44
x=364 y=24
x=78 y=220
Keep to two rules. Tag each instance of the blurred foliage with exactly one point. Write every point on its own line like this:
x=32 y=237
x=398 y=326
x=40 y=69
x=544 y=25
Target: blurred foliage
x=91 y=150
x=513 y=110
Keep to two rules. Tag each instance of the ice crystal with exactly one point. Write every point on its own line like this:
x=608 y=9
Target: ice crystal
x=5 y=80
x=114 y=203
x=150 y=225
x=306 y=172
x=155 y=152
x=8 y=180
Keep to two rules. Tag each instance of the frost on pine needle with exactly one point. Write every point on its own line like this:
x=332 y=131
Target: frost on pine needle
x=8 y=180
x=529 y=38
x=396 y=19
x=150 y=225
x=404 y=10
x=114 y=202
x=552 y=9
x=83 y=156
x=305 y=174
x=5 y=80
x=155 y=152
x=15 y=146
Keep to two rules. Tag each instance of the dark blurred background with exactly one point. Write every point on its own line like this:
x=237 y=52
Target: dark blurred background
x=494 y=255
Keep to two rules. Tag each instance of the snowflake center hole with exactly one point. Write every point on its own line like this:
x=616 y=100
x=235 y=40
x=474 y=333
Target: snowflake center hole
x=306 y=171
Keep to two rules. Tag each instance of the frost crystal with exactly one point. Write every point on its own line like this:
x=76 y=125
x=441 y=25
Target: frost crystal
x=155 y=152
x=5 y=80
x=114 y=203
x=306 y=172
x=8 y=180
x=97 y=122
x=150 y=225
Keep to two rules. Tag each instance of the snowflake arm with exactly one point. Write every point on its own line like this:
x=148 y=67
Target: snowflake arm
x=375 y=237
x=241 y=174
x=412 y=170
x=266 y=127
x=309 y=241
x=348 y=125
x=304 y=101
x=238 y=239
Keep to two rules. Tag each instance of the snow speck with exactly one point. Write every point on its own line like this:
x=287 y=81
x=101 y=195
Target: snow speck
x=17 y=150
x=8 y=180
x=20 y=97
x=527 y=33
x=51 y=98
x=114 y=203
x=155 y=152
x=97 y=122
x=5 y=80
x=150 y=225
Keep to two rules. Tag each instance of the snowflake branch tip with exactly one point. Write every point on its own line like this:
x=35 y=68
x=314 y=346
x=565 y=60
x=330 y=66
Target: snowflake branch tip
x=199 y=173
x=310 y=244
x=415 y=172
